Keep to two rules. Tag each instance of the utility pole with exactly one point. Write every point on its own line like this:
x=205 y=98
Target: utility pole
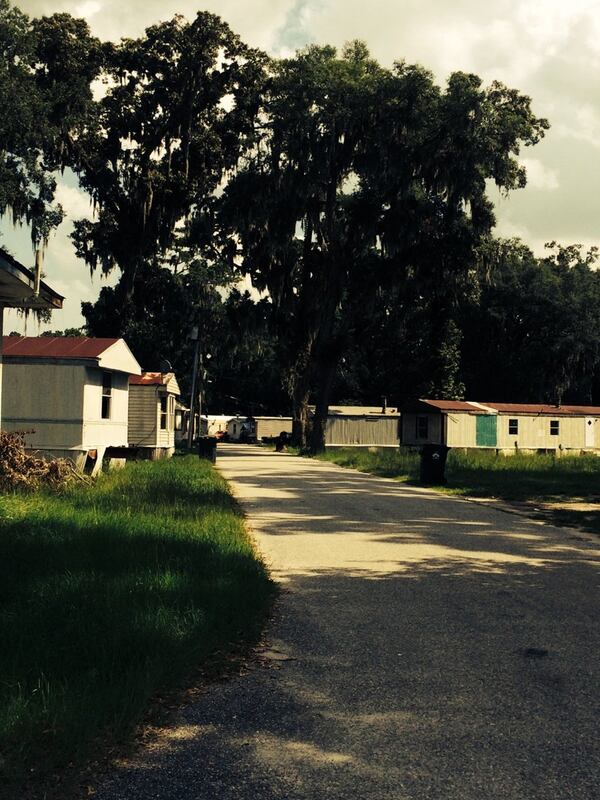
x=200 y=390
x=194 y=336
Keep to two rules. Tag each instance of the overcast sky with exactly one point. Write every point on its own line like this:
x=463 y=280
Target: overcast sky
x=548 y=49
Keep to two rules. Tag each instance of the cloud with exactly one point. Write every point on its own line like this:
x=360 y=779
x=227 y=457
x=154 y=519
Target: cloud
x=258 y=22
x=539 y=176
x=75 y=202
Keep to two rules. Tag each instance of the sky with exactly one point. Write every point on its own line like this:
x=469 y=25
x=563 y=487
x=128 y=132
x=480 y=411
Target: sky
x=547 y=49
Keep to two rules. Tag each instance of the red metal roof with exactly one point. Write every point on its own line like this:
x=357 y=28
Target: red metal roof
x=151 y=379
x=544 y=409
x=54 y=346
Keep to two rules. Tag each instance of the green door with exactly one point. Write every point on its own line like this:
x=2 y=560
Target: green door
x=486 y=430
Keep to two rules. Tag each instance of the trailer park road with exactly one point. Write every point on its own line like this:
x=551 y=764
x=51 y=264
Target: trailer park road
x=423 y=647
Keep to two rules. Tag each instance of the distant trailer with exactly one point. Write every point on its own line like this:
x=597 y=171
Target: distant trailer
x=362 y=426
x=363 y=430
x=267 y=427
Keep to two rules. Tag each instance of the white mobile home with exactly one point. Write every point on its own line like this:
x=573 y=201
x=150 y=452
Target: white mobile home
x=70 y=392
x=152 y=401
x=506 y=427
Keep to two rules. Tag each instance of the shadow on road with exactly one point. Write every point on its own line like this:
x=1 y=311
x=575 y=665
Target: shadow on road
x=445 y=651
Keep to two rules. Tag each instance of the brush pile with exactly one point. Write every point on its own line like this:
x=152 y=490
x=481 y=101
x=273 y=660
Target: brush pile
x=21 y=470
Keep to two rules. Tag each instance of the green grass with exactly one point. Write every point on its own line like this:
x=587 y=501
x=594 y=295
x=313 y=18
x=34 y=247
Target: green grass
x=110 y=593
x=385 y=461
x=527 y=478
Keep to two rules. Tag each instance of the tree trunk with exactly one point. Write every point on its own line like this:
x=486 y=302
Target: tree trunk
x=300 y=422
x=325 y=374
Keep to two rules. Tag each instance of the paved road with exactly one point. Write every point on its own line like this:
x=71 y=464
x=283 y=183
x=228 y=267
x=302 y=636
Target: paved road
x=424 y=648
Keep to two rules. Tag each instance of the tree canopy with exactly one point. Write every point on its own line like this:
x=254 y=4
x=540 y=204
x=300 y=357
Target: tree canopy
x=47 y=66
x=365 y=178
x=178 y=103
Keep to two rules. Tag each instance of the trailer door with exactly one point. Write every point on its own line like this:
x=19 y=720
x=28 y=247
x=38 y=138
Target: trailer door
x=486 y=430
x=589 y=432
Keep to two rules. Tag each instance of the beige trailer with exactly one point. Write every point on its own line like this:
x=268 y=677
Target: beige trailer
x=152 y=399
x=505 y=427
x=267 y=427
x=362 y=426
x=71 y=393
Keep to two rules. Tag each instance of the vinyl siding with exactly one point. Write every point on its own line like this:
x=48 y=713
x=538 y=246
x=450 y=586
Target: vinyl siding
x=143 y=416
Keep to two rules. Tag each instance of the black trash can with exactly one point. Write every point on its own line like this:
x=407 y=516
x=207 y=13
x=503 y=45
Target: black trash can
x=207 y=448
x=281 y=441
x=433 y=464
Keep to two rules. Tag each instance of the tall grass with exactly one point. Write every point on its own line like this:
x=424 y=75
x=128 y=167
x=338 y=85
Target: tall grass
x=385 y=461
x=110 y=593
x=484 y=473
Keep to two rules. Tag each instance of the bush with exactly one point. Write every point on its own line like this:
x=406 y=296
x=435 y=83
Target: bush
x=20 y=470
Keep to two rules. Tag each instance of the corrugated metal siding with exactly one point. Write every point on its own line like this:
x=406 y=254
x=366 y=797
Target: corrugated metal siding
x=143 y=416
x=348 y=431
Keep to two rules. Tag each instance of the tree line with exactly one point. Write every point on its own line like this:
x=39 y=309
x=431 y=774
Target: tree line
x=352 y=196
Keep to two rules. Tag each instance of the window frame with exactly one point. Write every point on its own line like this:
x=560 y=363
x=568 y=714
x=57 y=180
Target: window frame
x=513 y=426
x=554 y=427
x=163 y=411
x=106 y=397
x=422 y=423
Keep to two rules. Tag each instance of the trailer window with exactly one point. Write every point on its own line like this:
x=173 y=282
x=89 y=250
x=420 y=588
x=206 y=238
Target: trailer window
x=106 y=394
x=554 y=427
x=422 y=427
x=513 y=427
x=163 y=413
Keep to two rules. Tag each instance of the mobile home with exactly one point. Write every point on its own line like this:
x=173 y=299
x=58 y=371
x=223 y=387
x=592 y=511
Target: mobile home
x=69 y=393
x=506 y=427
x=362 y=426
x=152 y=401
